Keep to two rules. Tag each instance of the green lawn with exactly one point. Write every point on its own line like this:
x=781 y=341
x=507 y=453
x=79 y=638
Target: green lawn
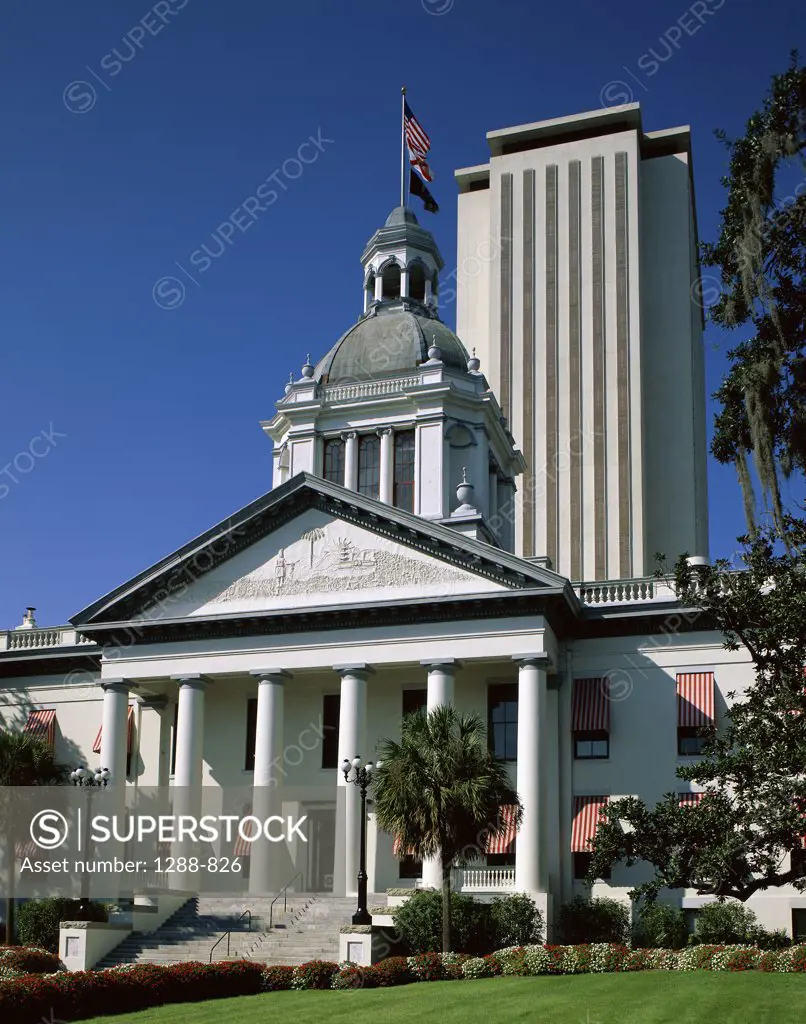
x=655 y=997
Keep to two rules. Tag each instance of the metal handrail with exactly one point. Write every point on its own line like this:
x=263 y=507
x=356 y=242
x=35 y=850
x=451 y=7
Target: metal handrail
x=227 y=935
x=284 y=893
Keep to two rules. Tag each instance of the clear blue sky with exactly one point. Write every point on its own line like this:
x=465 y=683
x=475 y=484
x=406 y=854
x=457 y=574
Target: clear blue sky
x=159 y=408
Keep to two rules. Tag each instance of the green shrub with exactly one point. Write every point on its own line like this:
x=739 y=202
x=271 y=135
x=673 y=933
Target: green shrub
x=277 y=978
x=394 y=970
x=724 y=924
x=764 y=939
x=515 y=921
x=315 y=974
x=17 y=961
x=593 y=920
x=38 y=921
x=419 y=921
x=660 y=926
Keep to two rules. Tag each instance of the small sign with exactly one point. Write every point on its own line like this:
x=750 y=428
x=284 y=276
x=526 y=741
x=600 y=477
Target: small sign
x=72 y=946
x=355 y=952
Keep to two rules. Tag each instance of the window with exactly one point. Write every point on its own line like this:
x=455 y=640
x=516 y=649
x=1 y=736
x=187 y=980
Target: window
x=391 y=281
x=502 y=720
x=582 y=863
x=591 y=745
x=251 y=733
x=331 y=703
x=369 y=465
x=502 y=860
x=403 y=495
x=334 y=461
x=414 y=700
x=417 y=282
x=799 y=925
x=410 y=868
x=690 y=740
x=798 y=860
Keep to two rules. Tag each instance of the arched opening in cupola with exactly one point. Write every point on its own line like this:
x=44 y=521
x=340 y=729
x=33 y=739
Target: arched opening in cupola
x=417 y=282
x=391 y=281
x=369 y=291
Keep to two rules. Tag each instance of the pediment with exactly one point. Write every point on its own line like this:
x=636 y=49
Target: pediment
x=319 y=560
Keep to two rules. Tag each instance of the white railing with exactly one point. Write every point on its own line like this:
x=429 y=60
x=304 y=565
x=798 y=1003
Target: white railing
x=36 y=639
x=484 y=879
x=364 y=389
x=647 y=588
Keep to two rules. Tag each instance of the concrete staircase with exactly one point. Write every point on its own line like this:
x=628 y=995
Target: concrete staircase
x=307 y=929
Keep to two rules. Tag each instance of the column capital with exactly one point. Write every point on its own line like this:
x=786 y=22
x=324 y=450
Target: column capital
x=384 y=431
x=446 y=664
x=356 y=669
x=277 y=675
x=158 y=703
x=541 y=659
x=192 y=679
x=118 y=685
x=348 y=435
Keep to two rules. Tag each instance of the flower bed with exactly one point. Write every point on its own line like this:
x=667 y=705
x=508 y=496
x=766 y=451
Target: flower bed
x=76 y=996
x=18 y=961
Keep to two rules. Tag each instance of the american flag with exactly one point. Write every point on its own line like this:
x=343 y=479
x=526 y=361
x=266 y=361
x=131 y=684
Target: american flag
x=418 y=142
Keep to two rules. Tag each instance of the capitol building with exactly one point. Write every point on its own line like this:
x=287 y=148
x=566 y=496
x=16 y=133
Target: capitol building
x=462 y=518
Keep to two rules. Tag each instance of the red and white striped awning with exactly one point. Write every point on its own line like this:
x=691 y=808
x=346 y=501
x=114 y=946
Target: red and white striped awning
x=690 y=799
x=96 y=747
x=695 y=700
x=42 y=725
x=590 y=706
x=396 y=849
x=588 y=811
x=242 y=847
x=508 y=815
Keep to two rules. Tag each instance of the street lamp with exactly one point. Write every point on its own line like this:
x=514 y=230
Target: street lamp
x=88 y=780
x=81 y=777
x=361 y=776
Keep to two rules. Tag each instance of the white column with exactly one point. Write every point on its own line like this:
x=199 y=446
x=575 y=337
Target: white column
x=529 y=860
x=267 y=800
x=114 y=729
x=352 y=743
x=387 y=464
x=440 y=682
x=404 y=282
x=350 y=460
x=440 y=692
x=379 y=287
x=430 y=299
x=190 y=731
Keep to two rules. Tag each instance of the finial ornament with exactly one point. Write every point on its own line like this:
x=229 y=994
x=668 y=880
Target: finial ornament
x=473 y=363
x=290 y=383
x=465 y=492
x=307 y=369
x=435 y=352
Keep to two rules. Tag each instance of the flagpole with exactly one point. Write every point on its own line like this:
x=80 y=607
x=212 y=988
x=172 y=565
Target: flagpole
x=403 y=148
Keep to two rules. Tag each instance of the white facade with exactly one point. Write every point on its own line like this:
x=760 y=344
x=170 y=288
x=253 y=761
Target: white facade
x=292 y=635
x=580 y=235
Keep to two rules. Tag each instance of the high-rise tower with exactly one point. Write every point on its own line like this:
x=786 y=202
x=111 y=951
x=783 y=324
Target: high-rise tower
x=577 y=279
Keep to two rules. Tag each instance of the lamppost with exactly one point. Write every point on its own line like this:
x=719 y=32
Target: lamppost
x=361 y=776
x=88 y=780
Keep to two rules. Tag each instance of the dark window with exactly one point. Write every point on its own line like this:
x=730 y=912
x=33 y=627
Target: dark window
x=799 y=925
x=417 y=282
x=334 y=461
x=502 y=860
x=369 y=465
x=251 y=733
x=582 y=863
x=591 y=745
x=410 y=868
x=391 y=281
x=799 y=860
x=173 y=739
x=330 y=730
x=502 y=720
x=690 y=740
x=403 y=496
x=414 y=700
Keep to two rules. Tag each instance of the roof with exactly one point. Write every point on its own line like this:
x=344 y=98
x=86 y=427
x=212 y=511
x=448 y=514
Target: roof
x=392 y=337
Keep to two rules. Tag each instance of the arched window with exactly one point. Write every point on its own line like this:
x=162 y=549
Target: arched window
x=403 y=494
x=334 y=461
x=417 y=282
x=391 y=281
x=369 y=465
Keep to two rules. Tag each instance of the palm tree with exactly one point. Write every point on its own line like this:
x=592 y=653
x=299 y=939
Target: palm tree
x=440 y=791
x=24 y=761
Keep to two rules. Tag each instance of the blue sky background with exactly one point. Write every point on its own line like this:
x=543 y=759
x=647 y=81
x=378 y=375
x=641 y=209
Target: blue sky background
x=159 y=408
